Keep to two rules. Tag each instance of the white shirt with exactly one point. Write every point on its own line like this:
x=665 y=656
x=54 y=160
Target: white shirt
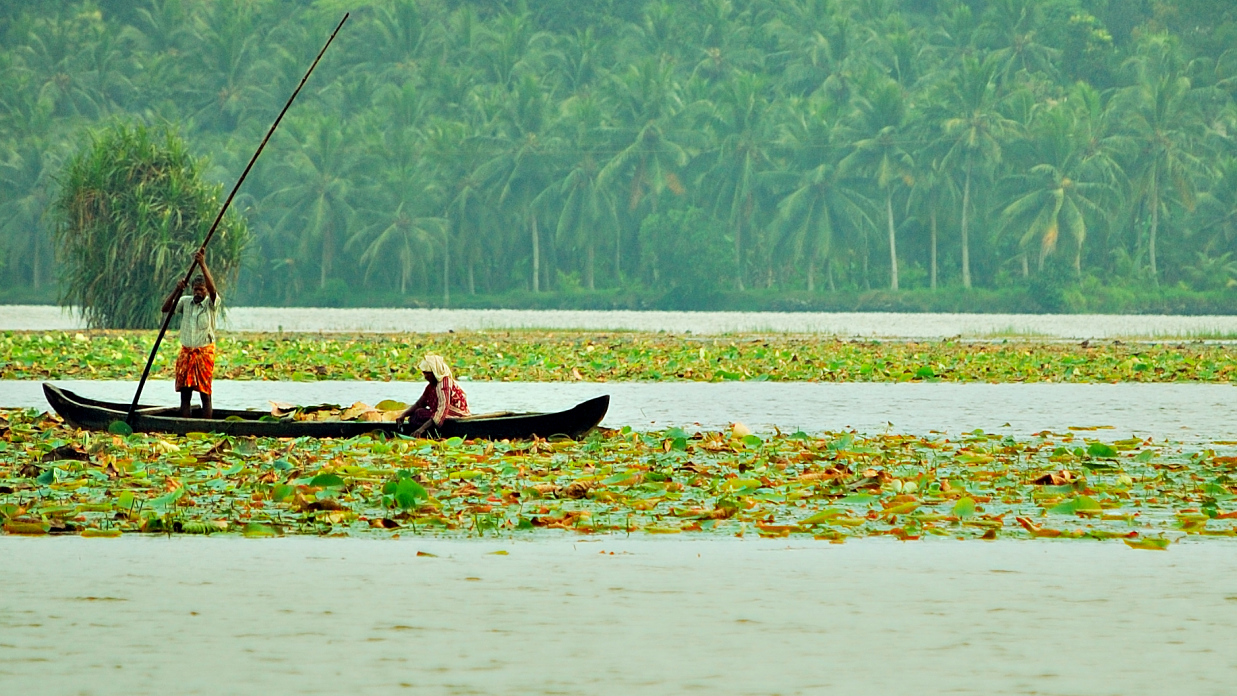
x=197 y=325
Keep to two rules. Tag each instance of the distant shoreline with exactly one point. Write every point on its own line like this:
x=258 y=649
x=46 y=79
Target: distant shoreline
x=847 y=324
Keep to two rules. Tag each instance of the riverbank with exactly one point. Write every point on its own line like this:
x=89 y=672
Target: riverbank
x=842 y=324
x=1066 y=298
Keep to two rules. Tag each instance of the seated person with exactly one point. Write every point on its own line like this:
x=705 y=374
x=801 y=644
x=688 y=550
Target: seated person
x=442 y=399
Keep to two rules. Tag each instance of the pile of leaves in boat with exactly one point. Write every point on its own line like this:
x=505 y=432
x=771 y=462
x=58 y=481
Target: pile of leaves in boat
x=385 y=411
x=831 y=486
x=577 y=355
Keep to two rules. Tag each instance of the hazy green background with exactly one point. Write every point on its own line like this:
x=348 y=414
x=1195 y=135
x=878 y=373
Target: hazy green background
x=620 y=153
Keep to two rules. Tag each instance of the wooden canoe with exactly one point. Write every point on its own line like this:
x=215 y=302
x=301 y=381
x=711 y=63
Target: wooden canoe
x=92 y=414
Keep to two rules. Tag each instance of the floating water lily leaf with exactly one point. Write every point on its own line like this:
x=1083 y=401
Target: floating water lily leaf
x=408 y=492
x=167 y=500
x=858 y=499
x=965 y=507
x=740 y=485
x=258 y=530
x=1100 y=449
x=1149 y=544
x=389 y=405
x=119 y=427
x=327 y=481
x=1217 y=491
x=823 y=516
x=1080 y=504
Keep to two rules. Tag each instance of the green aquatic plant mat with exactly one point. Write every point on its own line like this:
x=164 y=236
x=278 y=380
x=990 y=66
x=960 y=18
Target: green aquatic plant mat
x=831 y=486
x=542 y=356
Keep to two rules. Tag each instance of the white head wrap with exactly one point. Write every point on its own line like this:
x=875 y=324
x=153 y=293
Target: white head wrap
x=436 y=365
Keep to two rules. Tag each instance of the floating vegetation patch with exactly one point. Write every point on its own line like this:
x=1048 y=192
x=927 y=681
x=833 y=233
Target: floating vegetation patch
x=565 y=356
x=831 y=486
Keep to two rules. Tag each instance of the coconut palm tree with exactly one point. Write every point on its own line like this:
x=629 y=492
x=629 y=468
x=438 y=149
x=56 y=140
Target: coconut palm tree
x=743 y=125
x=973 y=131
x=881 y=121
x=316 y=199
x=932 y=190
x=821 y=209
x=652 y=136
x=1059 y=191
x=1162 y=118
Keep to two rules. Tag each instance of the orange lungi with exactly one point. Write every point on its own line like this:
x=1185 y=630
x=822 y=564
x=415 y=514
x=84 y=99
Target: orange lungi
x=195 y=368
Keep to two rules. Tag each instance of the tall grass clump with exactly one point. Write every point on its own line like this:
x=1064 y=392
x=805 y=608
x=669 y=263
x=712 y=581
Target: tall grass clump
x=132 y=208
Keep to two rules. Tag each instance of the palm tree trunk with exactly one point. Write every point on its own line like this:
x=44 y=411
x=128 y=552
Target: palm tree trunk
x=966 y=221
x=472 y=280
x=536 y=258
x=1026 y=267
x=738 y=257
x=867 y=257
x=811 y=275
x=36 y=268
x=893 y=242
x=588 y=268
x=932 y=217
x=326 y=256
x=446 y=269
x=1155 y=226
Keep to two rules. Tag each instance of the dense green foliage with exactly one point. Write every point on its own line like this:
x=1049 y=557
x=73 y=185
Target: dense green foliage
x=132 y=208
x=832 y=486
x=492 y=146
x=623 y=356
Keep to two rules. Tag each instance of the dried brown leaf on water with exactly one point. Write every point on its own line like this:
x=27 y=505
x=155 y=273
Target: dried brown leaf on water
x=577 y=490
x=1054 y=478
x=66 y=453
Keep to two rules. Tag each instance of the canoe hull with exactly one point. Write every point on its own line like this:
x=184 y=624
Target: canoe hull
x=92 y=414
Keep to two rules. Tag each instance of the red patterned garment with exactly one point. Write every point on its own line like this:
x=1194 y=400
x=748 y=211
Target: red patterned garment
x=195 y=368
x=445 y=399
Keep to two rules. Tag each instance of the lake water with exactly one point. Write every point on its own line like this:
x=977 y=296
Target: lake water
x=894 y=325
x=1187 y=412
x=724 y=616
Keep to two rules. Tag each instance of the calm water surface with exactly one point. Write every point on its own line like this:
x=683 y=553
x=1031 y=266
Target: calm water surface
x=1185 y=412
x=319 y=616
x=895 y=325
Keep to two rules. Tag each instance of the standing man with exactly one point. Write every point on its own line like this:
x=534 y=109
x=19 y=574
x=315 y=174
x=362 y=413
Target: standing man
x=195 y=366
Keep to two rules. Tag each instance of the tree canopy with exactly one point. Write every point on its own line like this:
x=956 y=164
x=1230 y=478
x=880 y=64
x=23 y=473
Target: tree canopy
x=495 y=146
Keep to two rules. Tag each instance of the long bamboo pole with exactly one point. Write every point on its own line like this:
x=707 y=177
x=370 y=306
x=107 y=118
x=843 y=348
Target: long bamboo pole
x=167 y=320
